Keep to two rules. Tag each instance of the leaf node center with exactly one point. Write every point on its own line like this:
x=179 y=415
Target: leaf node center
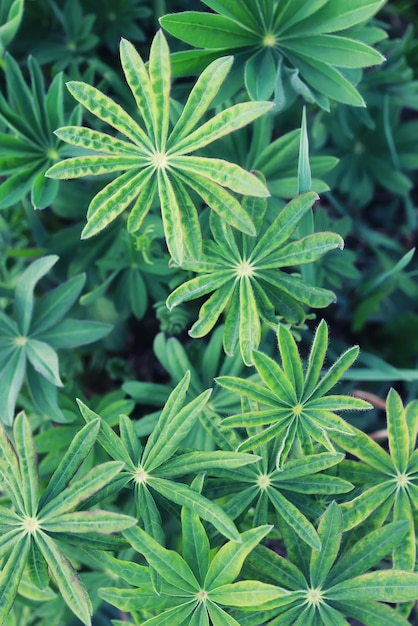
x=264 y=481
x=269 y=40
x=244 y=269
x=314 y=597
x=140 y=476
x=31 y=525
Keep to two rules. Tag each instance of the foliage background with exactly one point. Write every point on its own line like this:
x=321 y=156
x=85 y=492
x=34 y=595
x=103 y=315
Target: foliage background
x=134 y=351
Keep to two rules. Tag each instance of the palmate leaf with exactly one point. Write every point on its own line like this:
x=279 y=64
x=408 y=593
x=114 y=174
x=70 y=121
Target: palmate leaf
x=390 y=489
x=29 y=533
x=196 y=589
x=307 y=413
x=30 y=341
x=158 y=161
x=32 y=148
x=353 y=592
x=278 y=39
x=152 y=470
x=243 y=276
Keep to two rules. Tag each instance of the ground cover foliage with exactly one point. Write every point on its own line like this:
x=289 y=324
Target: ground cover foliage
x=208 y=312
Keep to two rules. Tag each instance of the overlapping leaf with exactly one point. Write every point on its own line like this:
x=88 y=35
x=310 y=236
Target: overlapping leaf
x=333 y=584
x=293 y=402
x=30 y=147
x=152 y=469
x=36 y=517
x=244 y=276
x=291 y=47
x=29 y=341
x=390 y=479
x=157 y=161
x=194 y=588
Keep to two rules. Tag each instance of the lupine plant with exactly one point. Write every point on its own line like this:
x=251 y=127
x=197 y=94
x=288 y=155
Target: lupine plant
x=240 y=170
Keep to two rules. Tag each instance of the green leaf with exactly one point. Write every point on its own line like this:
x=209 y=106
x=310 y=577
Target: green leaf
x=108 y=111
x=330 y=534
x=222 y=124
x=25 y=449
x=11 y=574
x=368 y=552
x=385 y=585
x=55 y=304
x=249 y=329
x=11 y=380
x=223 y=173
x=246 y=593
x=174 y=432
x=169 y=565
x=398 y=434
x=205 y=30
x=195 y=462
x=71 y=333
x=139 y=83
x=206 y=509
x=228 y=561
x=284 y=225
x=361 y=507
x=74 y=456
x=81 y=489
x=24 y=296
x=44 y=360
x=102 y=522
x=107 y=438
x=160 y=83
x=337 y=50
x=196 y=546
x=70 y=585
x=113 y=199
x=275 y=378
x=295 y=519
x=200 y=98
x=290 y=358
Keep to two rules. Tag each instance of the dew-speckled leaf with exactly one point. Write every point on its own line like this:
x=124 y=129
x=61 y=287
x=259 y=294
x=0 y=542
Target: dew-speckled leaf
x=284 y=224
x=89 y=139
x=25 y=449
x=222 y=124
x=200 y=98
x=139 y=83
x=113 y=199
x=398 y=434
x=160 y=82
x=211 y=310
x=223 y=173
x=110 y=112
x=221 y=201
x=250 y=328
